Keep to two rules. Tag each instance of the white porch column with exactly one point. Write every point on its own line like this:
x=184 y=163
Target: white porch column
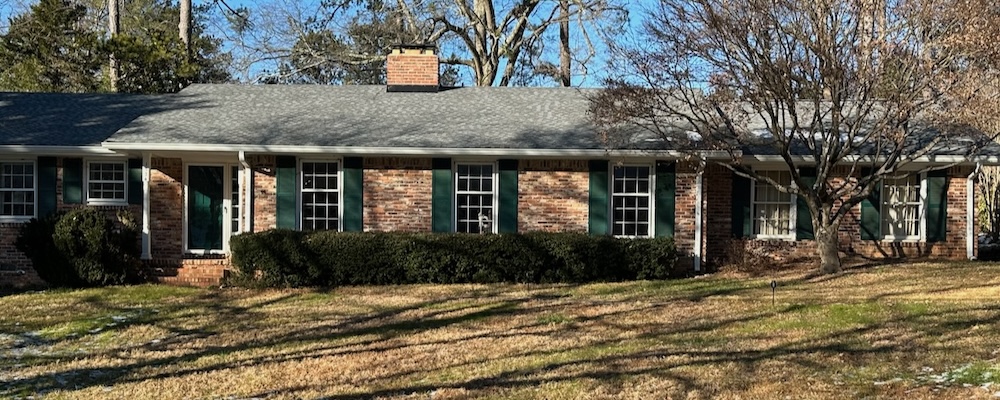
x=699 y=188
x=246 y=194
x=146 y=172
x=970 y=214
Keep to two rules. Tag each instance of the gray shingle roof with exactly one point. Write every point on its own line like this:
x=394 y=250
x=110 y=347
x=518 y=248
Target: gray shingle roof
x=368 y=116
x=68 y=119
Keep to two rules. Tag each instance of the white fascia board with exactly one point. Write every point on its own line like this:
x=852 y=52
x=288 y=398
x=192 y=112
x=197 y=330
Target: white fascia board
x=399 y=151
x=941 y=159
x=57 y=150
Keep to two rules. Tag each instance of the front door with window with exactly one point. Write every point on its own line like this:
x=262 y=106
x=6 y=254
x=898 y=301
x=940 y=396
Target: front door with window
x=206 y=211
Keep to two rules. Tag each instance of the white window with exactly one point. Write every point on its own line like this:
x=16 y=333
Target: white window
x=106 y=182
x=234 y=199
x=631 y=198
x=320 y=196
x=17 y=189
x=773 y=209
x=901 y=208
x=475 y=199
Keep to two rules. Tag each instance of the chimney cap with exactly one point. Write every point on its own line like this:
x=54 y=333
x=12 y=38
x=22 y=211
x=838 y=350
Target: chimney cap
x=416 y=48
x=424 y=46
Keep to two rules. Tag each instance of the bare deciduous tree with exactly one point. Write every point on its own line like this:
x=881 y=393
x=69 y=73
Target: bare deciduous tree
x=863 y=86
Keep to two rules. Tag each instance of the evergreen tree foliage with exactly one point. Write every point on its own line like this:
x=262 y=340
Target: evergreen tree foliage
x=48 y=50
x=57 y=47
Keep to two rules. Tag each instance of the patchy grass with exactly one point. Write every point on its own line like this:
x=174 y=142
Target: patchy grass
x=906 y=331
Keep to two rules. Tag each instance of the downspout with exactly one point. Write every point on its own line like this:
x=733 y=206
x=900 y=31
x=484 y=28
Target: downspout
x=697 y=218
x=970 y=213
x=146 y=172
x=246 y=225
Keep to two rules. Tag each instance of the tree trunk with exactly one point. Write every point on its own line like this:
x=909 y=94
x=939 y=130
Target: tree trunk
x=113 y=28
x=184 y=26
x=828 y=247
x=564 y=55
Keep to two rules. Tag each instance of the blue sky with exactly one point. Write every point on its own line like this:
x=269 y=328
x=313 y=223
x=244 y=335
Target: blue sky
x=596 y=67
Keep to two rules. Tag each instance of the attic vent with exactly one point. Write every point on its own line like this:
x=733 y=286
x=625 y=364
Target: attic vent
x=412 y=68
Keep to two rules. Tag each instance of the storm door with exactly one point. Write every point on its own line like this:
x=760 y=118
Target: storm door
x=207 y=208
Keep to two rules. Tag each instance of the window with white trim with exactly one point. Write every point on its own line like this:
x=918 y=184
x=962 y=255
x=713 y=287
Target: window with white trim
x=106 y=182
x=631 y=199
x=320 y=196
x=17 y=189
x=901 y=207
x=475 y=198
x=772 y=208
x=234 y=199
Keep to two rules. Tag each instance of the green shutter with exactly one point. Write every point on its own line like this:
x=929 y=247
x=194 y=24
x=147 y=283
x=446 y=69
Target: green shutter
x=664 y=195
x=441 y=194
x=871 y=210
x=135 y=181
x=803 y=217
x=285 y=174
x=742 y=221
x=598 y=201
x=46 y=186
x=937 y=205
x=72 y=180
x=507 y=218
x=353 y=194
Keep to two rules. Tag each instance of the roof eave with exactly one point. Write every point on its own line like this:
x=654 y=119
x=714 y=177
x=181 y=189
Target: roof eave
x=932 y=159
x=401 y=151
x=85 y=150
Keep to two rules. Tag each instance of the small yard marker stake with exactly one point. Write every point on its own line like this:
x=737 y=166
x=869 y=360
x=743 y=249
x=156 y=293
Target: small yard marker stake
x=774 y=285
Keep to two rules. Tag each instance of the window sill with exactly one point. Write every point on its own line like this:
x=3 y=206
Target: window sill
x=786 y=238
x=14 y=220
x=904 y=239
x=107 y=203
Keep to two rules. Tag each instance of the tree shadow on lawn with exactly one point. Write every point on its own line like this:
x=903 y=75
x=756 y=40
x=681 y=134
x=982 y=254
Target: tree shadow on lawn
x=224 y=315
x=394 y=323
x=806 y=352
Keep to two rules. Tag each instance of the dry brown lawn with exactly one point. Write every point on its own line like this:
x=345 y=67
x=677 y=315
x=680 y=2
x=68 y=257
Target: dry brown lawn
x=902 y=331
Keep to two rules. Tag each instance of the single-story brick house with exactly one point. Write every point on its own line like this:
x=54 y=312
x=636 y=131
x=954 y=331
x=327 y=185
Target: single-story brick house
x=212 y=161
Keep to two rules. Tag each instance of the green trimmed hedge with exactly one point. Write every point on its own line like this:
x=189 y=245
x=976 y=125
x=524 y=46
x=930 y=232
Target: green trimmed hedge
x=83 y=247
x=288 y=258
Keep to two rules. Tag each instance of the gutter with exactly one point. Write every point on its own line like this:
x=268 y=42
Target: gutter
x=970 y=213
x=405 y=151
x=941 y=159
x=56 y=150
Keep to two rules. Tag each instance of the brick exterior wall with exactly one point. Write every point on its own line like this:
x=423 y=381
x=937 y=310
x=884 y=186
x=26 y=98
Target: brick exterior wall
x=166 y=204
x=721 y=242
x=265 y=192
x=15 y=267
x=397 y=194
x=552 y=196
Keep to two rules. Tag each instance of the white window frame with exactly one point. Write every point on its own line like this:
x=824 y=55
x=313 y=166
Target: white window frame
x=300 y=180
x=792 y=208
x=227 y=208
x=34 y=190
x=921 y=215
x=650 y=195
x=236 y=209
x=495 y=195
x=87 y=182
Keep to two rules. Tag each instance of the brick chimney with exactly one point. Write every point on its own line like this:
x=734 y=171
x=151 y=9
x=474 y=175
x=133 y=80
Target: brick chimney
x=412 y=68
